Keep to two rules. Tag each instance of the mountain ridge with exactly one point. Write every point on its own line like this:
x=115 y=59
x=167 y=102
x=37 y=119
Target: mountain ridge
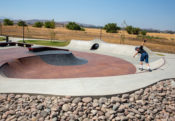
x=63 y=23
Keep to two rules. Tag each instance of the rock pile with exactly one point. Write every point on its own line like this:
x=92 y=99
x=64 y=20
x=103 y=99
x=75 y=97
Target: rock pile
x=154 y=102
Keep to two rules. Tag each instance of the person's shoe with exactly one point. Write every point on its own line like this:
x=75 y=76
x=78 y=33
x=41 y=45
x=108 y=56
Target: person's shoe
x=149 y=70
x=141 y=69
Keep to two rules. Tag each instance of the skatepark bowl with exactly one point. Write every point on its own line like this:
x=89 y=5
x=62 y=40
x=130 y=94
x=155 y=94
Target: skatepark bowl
x=78 y=69
x=65 y=64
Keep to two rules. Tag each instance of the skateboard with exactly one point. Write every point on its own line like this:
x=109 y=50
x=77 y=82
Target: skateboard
x=146 y=70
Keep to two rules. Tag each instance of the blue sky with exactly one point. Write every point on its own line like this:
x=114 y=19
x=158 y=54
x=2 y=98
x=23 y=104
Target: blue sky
x=157 y=14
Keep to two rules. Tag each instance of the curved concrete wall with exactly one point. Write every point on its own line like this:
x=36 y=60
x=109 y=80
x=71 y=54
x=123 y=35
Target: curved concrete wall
x=120 y=49
x=112 y=50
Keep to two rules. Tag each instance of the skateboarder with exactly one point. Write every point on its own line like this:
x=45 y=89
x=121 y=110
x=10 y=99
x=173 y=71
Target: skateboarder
x=144 y=56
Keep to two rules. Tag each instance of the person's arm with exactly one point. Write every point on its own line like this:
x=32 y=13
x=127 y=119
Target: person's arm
x=143 y=43
x=135 y=54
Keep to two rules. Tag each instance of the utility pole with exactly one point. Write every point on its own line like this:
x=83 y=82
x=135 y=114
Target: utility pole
x=122 y=33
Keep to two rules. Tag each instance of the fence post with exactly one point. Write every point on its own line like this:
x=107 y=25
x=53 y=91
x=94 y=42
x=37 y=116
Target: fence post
x=100 y=33
x=7 y=38
x=23 y=34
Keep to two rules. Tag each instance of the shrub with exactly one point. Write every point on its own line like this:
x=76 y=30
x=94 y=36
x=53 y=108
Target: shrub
x=111 y=28
x=133 y=30
x=74 y=26
x=129 y=29
x=143 y=32
x=136 y=31
x=8 y=22
x=38 y=24
x=82 y=29
x=22 y=23
x=50 y=24
x=170 y=32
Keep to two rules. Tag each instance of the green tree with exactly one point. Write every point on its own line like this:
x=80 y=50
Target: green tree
x=22 y=23
x=143 y=32
x=136 y=31
x=142 y=35
x=38 y=24
x=50 y=24
x=74 y=26
x=129 y=29
x=8 y=22
x=111 y=28
x=133 y=30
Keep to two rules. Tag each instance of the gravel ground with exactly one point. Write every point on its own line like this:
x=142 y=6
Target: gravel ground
x=156 y=102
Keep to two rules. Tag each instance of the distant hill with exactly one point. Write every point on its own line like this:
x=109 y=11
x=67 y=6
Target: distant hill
x=159 y=31
x=63 y=23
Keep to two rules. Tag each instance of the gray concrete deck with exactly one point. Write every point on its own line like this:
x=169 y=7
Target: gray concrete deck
x=96 y=86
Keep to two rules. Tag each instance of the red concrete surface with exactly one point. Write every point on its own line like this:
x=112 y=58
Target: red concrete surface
x=36 y=68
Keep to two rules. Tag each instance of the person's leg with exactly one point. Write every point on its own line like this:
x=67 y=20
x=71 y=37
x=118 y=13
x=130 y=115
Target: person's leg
x=141 y=66
x=147 y=62
x=148 y=67
x=141 y=62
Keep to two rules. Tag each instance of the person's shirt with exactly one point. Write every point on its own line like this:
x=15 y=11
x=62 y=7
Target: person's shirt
x=141 y=50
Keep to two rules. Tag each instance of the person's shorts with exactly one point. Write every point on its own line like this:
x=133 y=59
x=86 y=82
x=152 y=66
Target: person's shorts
x=144 y=57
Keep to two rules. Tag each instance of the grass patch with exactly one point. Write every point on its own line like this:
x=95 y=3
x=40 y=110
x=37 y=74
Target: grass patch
x=46 y=43
x=2 y=39
x=149 y=37
x=160 y=54
x=153 y=37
